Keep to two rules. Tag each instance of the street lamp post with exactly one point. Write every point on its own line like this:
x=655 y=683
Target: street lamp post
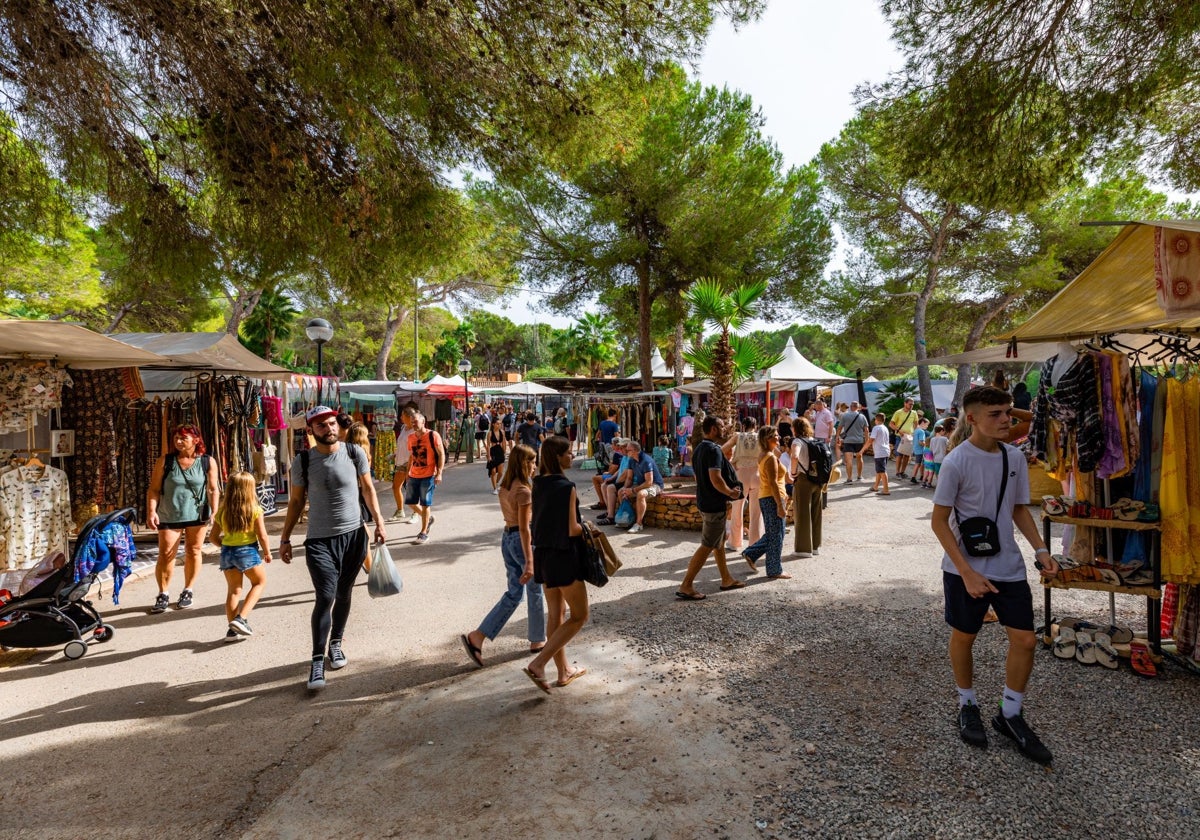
x=464 y=367
x=319 y=331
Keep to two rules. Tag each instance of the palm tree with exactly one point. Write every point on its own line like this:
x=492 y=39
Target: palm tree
x=271 y=321
x=597 y=342
x=728 y=312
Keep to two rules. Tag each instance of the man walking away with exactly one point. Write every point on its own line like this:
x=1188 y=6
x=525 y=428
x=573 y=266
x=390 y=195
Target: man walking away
x=330 y=478
x=852 y=435
x=986 y=479
x=427 y=459
x=716 y=486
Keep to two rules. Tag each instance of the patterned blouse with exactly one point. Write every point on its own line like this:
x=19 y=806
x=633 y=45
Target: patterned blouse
x=35 y=515
x=1075 y=404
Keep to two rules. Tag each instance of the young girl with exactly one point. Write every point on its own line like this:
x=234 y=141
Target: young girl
x=938 y=447
x=237 y=527
x=920 y=448
x=881 y=450
x=516 y=548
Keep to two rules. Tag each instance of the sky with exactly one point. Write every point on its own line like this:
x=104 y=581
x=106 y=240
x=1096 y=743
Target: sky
x=800 y=63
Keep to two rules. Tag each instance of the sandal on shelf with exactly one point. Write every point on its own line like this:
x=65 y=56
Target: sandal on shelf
x=1064 y=643
x=1053 y=505
x=1141 y=661
x=1105 y=654
x=1085 y=648
x=1119 y=635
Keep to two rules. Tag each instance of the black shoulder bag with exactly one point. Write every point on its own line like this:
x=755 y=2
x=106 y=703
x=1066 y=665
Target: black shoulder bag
x=980 y=535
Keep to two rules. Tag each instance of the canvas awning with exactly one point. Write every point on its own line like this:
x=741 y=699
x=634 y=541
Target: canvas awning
x=659 y=369
x=70 y=345
x=1037 y=351
x=1114 y=294
x=526 y=389
x=218 y=352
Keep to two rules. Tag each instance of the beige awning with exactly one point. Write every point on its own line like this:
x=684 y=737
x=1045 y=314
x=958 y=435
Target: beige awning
x=70 y=345
x=219 y=352
x=1114 y=294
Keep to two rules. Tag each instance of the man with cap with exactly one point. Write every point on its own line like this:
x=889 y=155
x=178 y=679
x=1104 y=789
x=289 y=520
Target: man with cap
x=330 y=477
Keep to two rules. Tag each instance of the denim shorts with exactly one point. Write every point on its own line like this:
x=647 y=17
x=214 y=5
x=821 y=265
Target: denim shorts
x=240 y=557
x=418 y=492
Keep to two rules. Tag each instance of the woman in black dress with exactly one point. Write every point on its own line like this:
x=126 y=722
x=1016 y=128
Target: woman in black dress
x=557 y=533
x=497 y=445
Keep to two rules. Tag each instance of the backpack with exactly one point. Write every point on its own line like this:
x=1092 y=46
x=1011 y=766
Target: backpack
x=820 y=461
x=483 y=423
x=560 y=425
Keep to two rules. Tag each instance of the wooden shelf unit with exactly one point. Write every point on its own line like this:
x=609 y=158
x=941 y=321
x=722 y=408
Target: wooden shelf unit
x=1151 y=592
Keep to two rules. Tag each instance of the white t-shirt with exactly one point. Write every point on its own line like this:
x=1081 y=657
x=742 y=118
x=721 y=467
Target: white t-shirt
x=402 y=455
x=968 y=482
x=937 y=447
x=881 y=446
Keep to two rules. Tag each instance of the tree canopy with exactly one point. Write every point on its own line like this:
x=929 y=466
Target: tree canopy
x=1019 y=94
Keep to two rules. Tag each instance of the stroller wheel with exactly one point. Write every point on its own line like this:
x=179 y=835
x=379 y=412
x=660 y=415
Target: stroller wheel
x=74 y=649
x=104 y=632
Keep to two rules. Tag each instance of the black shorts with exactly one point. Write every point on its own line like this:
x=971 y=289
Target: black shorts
x=852 y=448
x=1013 y=604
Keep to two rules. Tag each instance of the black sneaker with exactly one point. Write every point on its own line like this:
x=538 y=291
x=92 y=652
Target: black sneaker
x=316 y=676
x=185 y=599
x=160 y=603
x=605 y=520
x=240 y=626
x=1027 y=742
x=337 y=659
x=231 y=636
x=970 y=726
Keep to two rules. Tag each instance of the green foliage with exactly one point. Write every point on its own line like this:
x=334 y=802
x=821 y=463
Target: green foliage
x=273 y=319
x=1019 y=96
x=671 y=182
x=727 y=362
x=545 y=372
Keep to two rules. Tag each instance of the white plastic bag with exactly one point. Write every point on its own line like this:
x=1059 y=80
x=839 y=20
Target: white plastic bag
x=383 y=579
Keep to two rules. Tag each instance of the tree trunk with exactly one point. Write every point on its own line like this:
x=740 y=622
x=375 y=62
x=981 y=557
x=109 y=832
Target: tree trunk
x=722 y=380
x=921 y=308
x=391 y=328
x=643 y=275
x=991 y=311
x=679 y=337
x=240 y=308
x=124 y=310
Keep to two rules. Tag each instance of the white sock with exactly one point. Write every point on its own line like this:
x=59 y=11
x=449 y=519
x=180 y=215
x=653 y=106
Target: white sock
x=966 y=697
x=1011 y=705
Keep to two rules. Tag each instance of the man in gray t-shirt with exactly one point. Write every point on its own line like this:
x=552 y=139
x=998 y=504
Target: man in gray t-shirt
x=335 y=480
x=851 y=433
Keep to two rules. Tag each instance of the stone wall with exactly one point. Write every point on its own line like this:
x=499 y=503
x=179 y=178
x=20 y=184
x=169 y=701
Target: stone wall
x=673 y=508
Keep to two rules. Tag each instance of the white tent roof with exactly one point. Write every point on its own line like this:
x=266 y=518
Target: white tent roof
x=704 y=386
x=795 y=366
x=381 y=386
x=71 y=345
x=528 y=389
x=659 y=369
x=219 y=352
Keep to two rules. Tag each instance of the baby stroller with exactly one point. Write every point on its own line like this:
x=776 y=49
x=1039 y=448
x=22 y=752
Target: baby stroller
x=50 y=608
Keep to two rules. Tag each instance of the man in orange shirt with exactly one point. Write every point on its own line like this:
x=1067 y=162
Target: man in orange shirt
x=426 y=459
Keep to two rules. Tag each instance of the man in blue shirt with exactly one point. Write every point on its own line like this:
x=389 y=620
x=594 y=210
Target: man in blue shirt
x=647 y=481
x=617 y=478
x=608 y=429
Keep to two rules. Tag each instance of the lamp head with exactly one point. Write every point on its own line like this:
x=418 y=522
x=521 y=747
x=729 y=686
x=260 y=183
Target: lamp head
x=318 y=330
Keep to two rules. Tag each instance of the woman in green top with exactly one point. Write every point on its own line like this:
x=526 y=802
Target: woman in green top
x=181 y=501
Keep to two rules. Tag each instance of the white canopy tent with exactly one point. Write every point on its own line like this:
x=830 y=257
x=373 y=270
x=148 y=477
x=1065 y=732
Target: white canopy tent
x=794 y=366
x=527 y=389
x=70 y=345
x=660 y=370
x=750 y=386
x=382 y=386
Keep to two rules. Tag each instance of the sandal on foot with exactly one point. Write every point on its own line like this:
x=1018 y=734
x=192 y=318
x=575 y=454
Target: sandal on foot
x=1064 y=643
x=571 y=677
x=475 y=653
x=737 y=584
x=690 y=596
x=540 y=682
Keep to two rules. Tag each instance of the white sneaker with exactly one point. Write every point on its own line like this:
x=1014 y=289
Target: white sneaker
x=635 y=528
x=495 y=491
x=816 y=551
x=803 y=555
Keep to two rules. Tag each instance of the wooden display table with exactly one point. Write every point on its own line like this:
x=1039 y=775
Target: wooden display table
x=1151 y=592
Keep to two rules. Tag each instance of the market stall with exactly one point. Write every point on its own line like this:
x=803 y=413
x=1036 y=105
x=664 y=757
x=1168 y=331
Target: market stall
x=42 y=363
x=1120 y=420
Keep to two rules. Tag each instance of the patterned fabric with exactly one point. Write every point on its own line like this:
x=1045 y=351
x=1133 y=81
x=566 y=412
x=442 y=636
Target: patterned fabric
x=1179 y=487
x=1075 y=403
x=35 y=515
x=92 y=408
x=28 y=387
x=273 y=413
x=1170 y=608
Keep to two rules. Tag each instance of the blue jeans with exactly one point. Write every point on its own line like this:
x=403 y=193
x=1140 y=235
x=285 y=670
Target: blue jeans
x=771 y=542
x=514 y=567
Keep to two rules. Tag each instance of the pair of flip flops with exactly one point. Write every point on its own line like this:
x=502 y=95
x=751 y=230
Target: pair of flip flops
x=1117 y=634
x=1085 y=648
x=1141 y=661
